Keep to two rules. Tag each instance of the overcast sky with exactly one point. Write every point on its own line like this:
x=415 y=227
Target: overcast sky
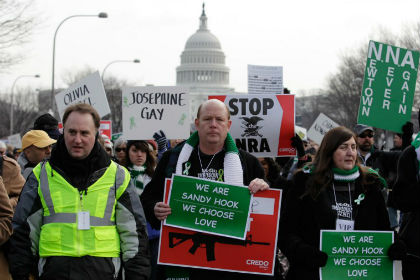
x=305 y=37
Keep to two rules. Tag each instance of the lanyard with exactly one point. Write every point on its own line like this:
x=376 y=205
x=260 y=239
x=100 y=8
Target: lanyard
x=335 y=198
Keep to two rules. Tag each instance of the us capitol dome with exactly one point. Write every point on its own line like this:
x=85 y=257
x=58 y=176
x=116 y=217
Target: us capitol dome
x=203 y=71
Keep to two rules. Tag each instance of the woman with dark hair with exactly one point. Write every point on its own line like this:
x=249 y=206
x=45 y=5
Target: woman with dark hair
x=271 y=169
x=140 y=162
x=334 y=193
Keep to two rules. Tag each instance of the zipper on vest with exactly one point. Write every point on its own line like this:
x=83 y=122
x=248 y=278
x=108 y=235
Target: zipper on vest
x=78 y=231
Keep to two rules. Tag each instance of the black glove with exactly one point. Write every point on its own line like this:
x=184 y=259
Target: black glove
x=397 y=251
x=407 y=135
x=297 y=143
x=160 y=140
x=1 y=165
x=313 y=257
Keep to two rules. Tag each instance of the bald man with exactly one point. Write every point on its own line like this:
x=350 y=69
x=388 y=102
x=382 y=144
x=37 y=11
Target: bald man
x=204 y=160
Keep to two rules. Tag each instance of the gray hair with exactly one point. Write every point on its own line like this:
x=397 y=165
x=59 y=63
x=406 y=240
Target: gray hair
x=3 y=145
x=119 y=142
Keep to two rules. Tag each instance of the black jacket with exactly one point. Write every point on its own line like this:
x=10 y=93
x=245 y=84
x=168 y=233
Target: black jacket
x=407 y=198
x=153 y=193
x=27 y=222
x=303 y=218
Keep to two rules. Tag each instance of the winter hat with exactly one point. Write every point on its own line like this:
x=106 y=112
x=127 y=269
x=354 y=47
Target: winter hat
x=49 y=124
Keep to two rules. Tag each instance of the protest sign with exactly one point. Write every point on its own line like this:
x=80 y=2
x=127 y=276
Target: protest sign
x=262 y=124
x=105 y=127
x=302 y=132
x=209 y=206
x=265 y=79
x=320 y=127
x=89 y=90
x=388 y=86
x=356 y=255
x=146 y=110
x=255 y=254
x=15 y=140
x=116 y=136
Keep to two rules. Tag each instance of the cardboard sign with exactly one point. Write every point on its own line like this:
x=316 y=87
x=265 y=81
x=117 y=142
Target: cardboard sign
x=147 y=110
x=320 y=127
x=15 y=140
x=106 y=128
x=89 y=90
x=209 y=206
x=302 y=132
x=116 y=136
x=356 y=255
x=265 y=79
x=388 y=86
x=262 y=124
x=255 y=254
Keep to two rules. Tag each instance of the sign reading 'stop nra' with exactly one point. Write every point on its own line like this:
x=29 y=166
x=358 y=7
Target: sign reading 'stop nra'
x=89 y=90
x=388 y=87
x=146 y=110
x=262 y=124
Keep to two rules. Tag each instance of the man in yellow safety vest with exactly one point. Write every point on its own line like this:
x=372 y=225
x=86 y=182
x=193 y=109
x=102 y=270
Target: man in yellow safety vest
x=79 y=217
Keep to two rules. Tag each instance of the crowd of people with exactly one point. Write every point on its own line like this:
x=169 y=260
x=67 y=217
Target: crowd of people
x=76 y=205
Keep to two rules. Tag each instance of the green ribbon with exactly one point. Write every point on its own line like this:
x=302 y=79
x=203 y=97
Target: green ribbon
x=360 y=198
x=187 y=168
x=220 y=178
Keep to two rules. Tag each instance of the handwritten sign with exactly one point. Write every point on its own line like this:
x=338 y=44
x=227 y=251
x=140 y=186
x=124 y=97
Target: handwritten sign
x=356 y=255
x=320 y=127
x=388 y=87
x=265 y=79
x=262 y=124
x=209 y=206
x=89 y=90
x=15 y=140
x=147 y=110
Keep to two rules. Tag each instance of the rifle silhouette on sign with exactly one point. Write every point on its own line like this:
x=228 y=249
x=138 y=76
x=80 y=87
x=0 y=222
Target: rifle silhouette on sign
x=208 y=242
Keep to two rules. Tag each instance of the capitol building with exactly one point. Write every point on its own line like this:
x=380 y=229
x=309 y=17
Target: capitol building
x=203 y=70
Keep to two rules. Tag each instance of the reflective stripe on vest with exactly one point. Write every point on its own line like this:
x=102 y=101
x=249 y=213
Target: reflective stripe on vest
x=72 y=217
x=59 y=235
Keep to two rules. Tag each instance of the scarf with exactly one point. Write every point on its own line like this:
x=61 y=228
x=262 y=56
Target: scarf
x=77 y=172
x=416 y=145
x=137 y=174
x=232 y=166
x=346 y=176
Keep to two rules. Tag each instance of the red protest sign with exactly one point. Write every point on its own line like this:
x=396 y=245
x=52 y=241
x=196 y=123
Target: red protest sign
x=262 y=124
x=255 y=254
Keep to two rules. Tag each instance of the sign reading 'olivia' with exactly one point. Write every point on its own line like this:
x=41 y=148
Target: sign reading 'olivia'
x=89 y=90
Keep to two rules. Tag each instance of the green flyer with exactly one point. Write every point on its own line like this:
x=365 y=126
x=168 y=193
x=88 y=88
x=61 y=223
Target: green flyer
x=209 y=206
x=356 y=255
x=388 y=86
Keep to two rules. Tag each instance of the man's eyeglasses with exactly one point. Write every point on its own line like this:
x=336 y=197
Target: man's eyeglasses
x=119 y=150
x=364 y=135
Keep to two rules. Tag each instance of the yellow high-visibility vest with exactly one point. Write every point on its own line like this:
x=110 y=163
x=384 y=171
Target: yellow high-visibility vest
x=62 y=202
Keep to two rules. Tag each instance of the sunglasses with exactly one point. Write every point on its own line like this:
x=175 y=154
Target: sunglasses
x=364 y=135
x=119 y=150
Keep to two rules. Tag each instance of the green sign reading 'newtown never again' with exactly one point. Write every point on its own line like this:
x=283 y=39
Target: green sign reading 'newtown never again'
x=388 y=86
x=209 y=206
x=357 y=255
